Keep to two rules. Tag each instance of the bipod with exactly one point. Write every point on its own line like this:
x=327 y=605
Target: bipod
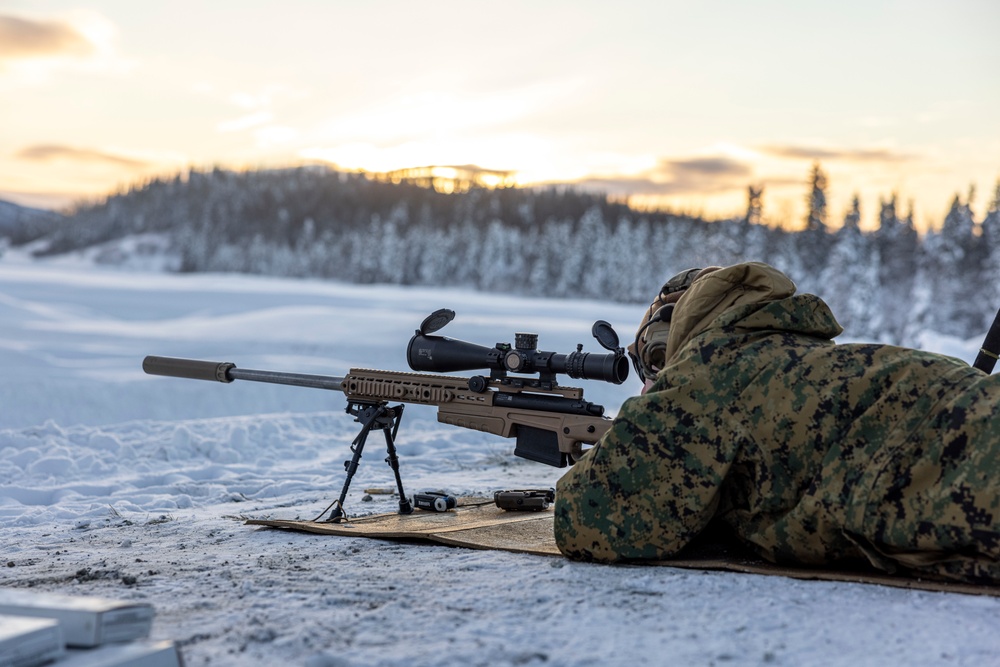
x=371 y=415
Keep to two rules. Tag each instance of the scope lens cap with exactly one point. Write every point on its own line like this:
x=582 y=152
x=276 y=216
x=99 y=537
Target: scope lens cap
x=436 y=320
x=605 y=335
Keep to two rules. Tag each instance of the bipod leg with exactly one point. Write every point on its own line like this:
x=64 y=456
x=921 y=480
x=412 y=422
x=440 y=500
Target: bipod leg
x=396 y=415
x=369 y=415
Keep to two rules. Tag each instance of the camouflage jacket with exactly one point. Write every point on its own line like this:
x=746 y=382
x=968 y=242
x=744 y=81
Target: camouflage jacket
x=812 y=452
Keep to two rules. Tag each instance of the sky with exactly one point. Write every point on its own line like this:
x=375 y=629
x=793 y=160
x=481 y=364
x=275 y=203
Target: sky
x=668 y=103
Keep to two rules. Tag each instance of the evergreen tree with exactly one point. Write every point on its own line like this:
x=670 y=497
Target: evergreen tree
x=390 y=246
x=585 y=269
x=990 y=236
x=951 y=266
x=642 y=269
x=675 y=246
x=619 y=255
x=816 y=217
x=755 y=207
x=758 y=243
x=502 y=264
x=850 y=273
x=896 y=245
x=813 y=242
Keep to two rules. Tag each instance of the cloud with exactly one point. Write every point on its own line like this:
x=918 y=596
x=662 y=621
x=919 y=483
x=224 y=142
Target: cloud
x=847 y=155
x=245 y=122
x=436 y=114
x=710 y=166
x=700 y=175
x=51 y=152
x=26 y=38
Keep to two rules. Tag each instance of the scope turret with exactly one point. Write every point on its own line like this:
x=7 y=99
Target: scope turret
x=439 y=354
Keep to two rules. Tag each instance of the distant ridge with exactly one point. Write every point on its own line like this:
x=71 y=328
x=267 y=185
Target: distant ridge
x=889 y=284
x=23 y=224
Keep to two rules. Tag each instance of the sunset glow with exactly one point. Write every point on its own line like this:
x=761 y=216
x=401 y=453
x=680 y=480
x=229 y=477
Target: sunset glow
x=660 y=103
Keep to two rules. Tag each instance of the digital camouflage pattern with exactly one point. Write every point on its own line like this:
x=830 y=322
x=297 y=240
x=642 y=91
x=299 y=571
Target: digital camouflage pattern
x=812 y=452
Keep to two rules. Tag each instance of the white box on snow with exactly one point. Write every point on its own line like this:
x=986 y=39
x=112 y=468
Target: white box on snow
x=85 y=621
x=28 y=641
x=142 y=653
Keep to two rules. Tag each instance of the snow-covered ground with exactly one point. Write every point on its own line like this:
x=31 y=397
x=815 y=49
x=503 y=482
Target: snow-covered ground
x=119 y=484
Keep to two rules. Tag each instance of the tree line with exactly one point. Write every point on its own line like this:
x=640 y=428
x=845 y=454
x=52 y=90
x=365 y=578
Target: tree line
x=888 y=284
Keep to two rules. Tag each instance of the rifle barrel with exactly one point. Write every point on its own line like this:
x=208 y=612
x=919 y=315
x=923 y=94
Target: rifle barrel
x=295 y=379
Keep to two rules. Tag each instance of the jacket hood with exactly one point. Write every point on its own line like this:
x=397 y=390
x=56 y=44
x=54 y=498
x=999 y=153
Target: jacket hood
x=742 y=292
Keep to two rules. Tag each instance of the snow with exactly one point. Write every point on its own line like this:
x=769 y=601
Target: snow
x=124 y=485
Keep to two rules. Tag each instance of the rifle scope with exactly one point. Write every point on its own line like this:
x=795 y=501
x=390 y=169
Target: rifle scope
x=438 y=354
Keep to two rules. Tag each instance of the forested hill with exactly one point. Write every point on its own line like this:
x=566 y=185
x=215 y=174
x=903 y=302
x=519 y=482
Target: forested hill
x=21 y=224
x=884 y=285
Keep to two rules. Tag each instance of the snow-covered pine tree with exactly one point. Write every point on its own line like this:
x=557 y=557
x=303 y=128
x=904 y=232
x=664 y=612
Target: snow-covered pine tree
x=813 y=241
x=502 y=266
x=990 y=228
x=619 y=258
x=847 y=280
x=388 y=243
x=896 y=244
x=755 y=205
x=643 y=270
x=951 y=273
x=674 y=246
x=584 y=272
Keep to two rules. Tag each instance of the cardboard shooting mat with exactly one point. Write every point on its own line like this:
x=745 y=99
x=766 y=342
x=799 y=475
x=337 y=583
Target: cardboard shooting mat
x=479 y=524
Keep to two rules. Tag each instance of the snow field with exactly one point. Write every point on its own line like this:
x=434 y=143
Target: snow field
x=119 y=484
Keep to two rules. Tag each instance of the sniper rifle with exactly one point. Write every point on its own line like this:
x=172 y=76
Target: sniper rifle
x=550 y=423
